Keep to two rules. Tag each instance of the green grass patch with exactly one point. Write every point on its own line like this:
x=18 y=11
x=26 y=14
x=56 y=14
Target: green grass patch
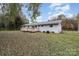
x=43 y=44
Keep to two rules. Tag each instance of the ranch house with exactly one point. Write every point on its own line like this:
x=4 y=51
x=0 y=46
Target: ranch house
x=49 y=26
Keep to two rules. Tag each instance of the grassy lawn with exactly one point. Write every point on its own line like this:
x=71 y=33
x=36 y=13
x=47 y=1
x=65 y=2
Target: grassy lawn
x=23 y=43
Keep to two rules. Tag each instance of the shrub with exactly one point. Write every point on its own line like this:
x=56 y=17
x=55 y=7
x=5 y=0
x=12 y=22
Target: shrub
x=47 y=32
x=43 y=31
x=53 y=32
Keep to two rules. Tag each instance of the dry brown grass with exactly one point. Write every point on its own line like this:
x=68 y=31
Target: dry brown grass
x=23 y=43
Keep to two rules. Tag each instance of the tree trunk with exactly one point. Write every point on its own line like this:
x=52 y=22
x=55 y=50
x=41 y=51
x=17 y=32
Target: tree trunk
x=78 y=27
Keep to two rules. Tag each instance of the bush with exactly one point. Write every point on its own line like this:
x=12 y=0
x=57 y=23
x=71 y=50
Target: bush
x=62 y=32
x=47 y=32
x=53 y=32
x=43 y=31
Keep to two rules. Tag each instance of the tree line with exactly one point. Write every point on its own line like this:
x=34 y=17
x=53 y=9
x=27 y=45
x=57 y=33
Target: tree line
x=68 y=23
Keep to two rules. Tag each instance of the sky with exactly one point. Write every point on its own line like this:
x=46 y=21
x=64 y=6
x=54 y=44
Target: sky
x=50 y=10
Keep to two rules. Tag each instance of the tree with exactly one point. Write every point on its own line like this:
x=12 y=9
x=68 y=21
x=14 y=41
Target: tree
x=18 y=22
x=9 y=15
x=34 y=11
x=14 y=10
x=17 y=15
x=62 y=17
x=67 y=23
x=4 y=9
x=77 y=19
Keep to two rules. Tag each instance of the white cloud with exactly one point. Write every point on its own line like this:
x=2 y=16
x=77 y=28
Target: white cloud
x=60 y=6
x=63 y=8
x=40 y=19
x=55 y=4
x=66 y=8
x=50 y=17
x=49 y=13
x=55 y=15
x=60 y=9
x=69 y=15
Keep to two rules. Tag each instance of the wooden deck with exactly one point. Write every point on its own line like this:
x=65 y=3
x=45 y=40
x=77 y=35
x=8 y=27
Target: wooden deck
x=30 y=29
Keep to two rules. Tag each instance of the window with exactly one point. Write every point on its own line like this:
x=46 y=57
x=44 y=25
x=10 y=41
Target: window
x=42 y=25
x=24 y=26
x=35 y=25
x=38 y=25
x=56 y=24
x=51 y=25
x=32 y=26
x=28 y=26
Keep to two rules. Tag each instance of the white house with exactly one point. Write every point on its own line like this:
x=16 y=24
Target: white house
x=49 y=26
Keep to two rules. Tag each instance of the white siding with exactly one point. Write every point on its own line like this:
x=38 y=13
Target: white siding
x=54 y=28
